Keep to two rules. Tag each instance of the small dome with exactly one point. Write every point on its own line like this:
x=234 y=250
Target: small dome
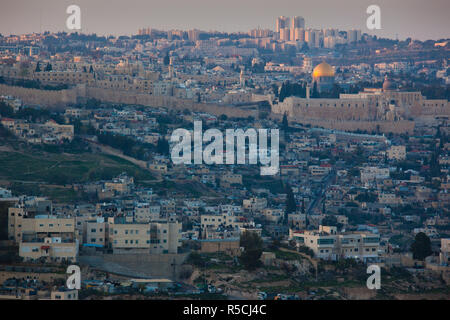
x=388 y=85
x=323 y=70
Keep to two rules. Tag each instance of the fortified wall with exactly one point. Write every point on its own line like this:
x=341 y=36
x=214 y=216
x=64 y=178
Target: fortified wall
x=59 y=99
x=391 y=111
x=53 y=99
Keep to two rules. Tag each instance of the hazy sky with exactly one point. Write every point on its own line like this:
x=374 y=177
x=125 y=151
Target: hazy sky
x=419 y=19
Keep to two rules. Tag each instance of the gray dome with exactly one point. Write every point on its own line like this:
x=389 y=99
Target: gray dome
x=388 y=85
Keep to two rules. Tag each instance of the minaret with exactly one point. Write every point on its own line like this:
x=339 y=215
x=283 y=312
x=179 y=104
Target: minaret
x=308 y=89
x=171 y=68
x=242 y=78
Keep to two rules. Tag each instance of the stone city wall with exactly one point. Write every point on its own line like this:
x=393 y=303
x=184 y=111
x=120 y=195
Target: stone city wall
x=59 y=99
x=52 y=99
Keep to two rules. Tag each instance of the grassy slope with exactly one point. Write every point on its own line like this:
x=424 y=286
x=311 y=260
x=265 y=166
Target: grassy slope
x=65 y=168
x=39 y=173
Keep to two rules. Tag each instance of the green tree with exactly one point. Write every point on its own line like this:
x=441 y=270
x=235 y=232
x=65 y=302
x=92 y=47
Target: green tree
x=163 y=146
x=421 y=247
x=252 y=244
x=166 y=59
x=285 y=123
x=38 y=68
x=291 y=205
x=331 y=221
x=315 y=92
x=48 y=67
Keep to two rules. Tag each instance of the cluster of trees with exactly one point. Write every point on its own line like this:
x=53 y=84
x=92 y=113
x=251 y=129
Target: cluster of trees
x=131 y=147
x=47 y=68
x=33 y=84
x=421 y=247
x=30 y=114
x=355 y=217
x=128 y=146
x=291 y=204
x=289 y=89
x=253 y=248
x=331 y=221
x=366 y=197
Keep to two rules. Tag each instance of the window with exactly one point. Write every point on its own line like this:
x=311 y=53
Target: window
x=325 y=241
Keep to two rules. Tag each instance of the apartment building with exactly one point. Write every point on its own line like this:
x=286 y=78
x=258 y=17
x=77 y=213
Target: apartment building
x=96 y=233
x=42 y=236
x=328 y=244
x=389 y=198
x=254 y=204
x=216 y=220
x=273 y=215
x=396 y=153
x=64 y=294
x=40 y=233
x=369 y=174
x=154 y=238
x=229 y=179
x=24 y=224
x=165 y=236
x=319 y=170
x=146 y=212
x=51 y=249
x=121 y=185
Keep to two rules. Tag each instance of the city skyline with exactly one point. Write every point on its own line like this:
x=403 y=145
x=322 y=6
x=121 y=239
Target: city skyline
x=115 y=17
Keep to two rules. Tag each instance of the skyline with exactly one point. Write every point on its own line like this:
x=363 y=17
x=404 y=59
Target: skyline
x=404 y=18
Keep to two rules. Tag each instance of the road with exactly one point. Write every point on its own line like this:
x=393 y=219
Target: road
x=321 y=192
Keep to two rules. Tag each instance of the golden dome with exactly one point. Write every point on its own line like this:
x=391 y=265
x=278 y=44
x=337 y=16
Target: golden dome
x=323 y=70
